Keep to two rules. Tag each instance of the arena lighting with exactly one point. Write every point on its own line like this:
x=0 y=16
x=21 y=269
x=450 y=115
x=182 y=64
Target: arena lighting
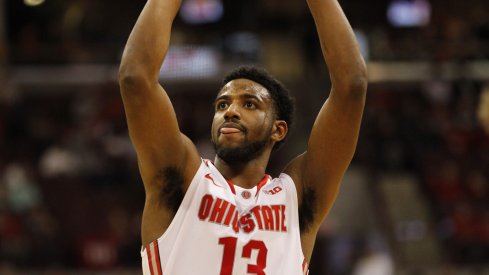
x=187 y=61
x=201 y=11
x=33 y=3
x=409 y=13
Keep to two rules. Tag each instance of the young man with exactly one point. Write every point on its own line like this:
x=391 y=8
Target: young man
x=229 y=217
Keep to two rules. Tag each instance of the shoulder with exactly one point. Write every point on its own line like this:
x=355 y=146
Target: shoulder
x=285 y=180
x=282 y=186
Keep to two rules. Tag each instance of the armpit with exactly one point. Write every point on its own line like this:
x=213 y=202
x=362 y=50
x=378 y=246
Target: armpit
x=306 y=210
x=171 y=194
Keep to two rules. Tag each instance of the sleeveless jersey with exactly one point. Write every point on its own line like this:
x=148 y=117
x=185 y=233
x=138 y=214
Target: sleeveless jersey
x=223 y=229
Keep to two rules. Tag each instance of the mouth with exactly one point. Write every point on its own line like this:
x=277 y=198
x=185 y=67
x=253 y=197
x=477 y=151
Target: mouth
x=230 y=128
x=226 y=131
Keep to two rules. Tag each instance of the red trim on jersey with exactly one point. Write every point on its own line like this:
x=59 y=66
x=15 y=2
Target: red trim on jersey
x=157 y=257
x=231 y=185
x=208 y=176
x=262 y=183
x=156 y=268
x=305 y=269
x=150 y=258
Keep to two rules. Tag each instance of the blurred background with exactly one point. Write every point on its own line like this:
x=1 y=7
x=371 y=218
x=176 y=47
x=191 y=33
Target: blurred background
x=415 y=200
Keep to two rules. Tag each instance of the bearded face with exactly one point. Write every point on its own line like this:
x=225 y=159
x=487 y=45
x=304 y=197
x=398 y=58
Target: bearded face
x=243 y=152
x=243 y=121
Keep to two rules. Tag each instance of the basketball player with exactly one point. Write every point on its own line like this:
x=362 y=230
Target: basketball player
x=227 y=216
x=483 y=109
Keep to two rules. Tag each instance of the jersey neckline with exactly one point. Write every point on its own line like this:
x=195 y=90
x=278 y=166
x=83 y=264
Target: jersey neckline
x=233 y=187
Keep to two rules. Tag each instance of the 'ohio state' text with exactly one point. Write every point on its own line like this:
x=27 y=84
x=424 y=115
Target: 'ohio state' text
x=265 y=217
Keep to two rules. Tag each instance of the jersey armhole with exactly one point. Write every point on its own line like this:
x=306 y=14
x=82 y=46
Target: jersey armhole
x=291 y=184
x=187 y=199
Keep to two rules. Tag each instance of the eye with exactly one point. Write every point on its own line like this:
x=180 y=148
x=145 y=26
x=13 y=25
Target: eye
x=249 y=104
x=221 y=105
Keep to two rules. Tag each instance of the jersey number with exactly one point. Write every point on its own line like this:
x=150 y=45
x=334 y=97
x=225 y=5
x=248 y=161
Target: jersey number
x=229 y=244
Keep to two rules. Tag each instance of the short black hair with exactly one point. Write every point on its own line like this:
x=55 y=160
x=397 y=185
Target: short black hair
x=283 y=101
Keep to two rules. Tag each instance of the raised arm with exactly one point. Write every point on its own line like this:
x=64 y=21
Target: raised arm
x=319 y=171
x=161 y=149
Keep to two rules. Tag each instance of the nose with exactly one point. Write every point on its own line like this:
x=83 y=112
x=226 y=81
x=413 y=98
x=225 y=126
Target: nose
x=232 y=112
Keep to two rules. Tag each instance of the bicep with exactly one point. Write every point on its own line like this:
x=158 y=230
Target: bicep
x=331 y=147
x=154 y=129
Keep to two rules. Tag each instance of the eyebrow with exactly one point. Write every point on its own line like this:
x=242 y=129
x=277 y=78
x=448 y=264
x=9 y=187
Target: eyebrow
x=245 y=95
x=250 y=96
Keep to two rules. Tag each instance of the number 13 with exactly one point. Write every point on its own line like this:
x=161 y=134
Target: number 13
x=229 y=244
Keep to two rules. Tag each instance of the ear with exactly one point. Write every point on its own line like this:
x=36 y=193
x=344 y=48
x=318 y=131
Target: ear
x=279 y=131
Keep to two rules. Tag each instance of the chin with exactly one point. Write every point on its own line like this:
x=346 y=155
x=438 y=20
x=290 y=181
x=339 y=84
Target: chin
x=241 y=152
x=228 y=147
x=230 y=143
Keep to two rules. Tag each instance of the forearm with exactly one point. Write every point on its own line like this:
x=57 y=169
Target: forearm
x=338 y=43
x=149 y=40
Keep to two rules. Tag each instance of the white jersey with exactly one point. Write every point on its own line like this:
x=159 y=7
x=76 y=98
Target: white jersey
x=223 y=229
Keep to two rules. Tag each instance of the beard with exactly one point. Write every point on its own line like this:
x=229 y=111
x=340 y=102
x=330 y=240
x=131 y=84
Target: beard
x=243 y=153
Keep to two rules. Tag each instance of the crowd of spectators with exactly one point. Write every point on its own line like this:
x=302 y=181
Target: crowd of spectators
x=434 y=135
x=70 y=194
x=81 y=31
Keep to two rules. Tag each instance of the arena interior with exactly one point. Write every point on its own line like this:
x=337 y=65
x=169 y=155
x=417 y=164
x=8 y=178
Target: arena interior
x=414 y=201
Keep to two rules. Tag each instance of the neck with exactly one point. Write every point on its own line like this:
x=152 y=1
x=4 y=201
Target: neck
x=246 y=175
